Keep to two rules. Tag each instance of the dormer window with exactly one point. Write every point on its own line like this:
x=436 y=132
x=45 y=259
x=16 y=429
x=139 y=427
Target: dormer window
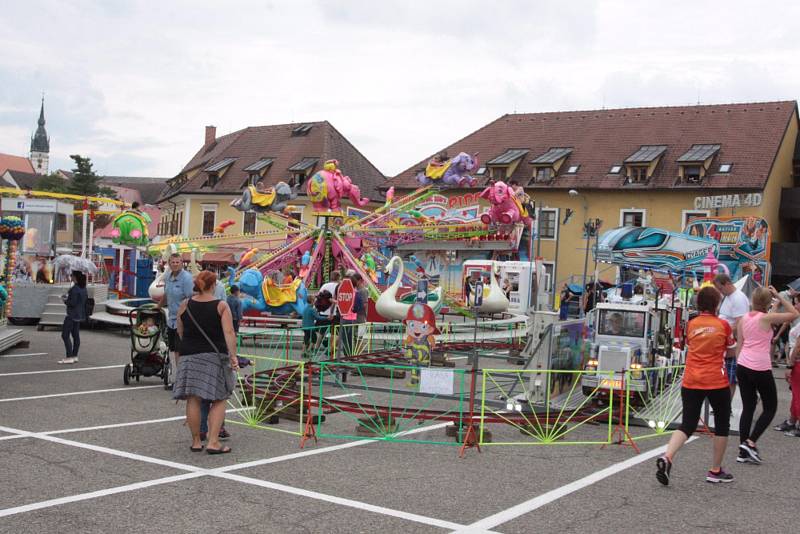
x=543 y=174
x=301 y=170
x=504 y=165
x=257 y=171
x=640 y=165
x=217 y=170
x=546 y=166
x=694 y=164
x=301 y=130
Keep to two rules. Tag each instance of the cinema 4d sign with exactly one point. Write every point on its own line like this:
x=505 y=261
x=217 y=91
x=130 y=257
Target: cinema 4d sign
x=728 y=201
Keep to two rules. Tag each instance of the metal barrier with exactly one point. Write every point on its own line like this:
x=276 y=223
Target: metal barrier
x=273 y=389
x=553 y=408
x=388 y=402
x=653 y=400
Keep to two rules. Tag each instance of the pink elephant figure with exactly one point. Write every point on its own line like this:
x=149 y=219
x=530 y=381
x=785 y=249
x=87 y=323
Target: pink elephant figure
x=327 y=188
x=505 y=209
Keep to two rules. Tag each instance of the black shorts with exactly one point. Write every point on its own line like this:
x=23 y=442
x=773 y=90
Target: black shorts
x=172 y=339
x=720 y=400
x=309 y=336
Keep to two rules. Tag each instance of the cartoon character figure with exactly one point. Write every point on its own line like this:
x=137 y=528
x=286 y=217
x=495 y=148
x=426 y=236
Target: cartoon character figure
x=506 y=208
x=328 y=187
x=420 y=324
x=453 y=172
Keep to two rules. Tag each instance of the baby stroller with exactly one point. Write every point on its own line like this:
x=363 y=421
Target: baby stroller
x=149 y=354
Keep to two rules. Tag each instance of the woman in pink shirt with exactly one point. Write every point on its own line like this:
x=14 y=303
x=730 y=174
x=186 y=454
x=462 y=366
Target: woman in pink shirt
x=754 y=368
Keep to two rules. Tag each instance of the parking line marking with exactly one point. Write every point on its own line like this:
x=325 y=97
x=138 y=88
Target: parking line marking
x=343 y=396
x=95 y=494
x=34 y=397
x=553 y=495
x=408 y=516
x=74 y=369
x=195 y=472
x=21 y=355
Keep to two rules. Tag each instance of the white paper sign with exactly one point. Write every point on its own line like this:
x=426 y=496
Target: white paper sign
x=436 y=381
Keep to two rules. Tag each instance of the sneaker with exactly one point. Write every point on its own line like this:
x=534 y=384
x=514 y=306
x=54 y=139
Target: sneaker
x=785 y=426
x=664 y=466
x=224 y=434
x=750 y=451
x=794 y=433
x=68 y=360
x=719 y=477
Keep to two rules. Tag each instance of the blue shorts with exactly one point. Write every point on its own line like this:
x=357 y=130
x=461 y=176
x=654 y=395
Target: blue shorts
x=730 y=368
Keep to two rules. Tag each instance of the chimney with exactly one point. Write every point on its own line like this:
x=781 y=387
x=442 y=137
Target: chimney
x=211 y=135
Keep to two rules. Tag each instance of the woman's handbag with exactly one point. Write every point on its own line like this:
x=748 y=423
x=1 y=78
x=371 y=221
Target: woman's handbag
x=225 y=359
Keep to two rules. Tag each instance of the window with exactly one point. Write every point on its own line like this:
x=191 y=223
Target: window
x=692 y=174
x=498 y=173
x=298 y=179
x=543 y=174
x=688 y=215
x=249 y=222
x=632 y=217
x=61 y=222
x=481 y=171
x=637 y=175
x=547 y=282
x=725 y=168
x=573 y=169
x=296 y=215
x=213 y=179
x=615 y=169
x=209 y=219
x=548 y=222
x=179 y=228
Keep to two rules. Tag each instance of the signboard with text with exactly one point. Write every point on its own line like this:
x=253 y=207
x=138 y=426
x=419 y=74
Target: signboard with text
x=744 y=243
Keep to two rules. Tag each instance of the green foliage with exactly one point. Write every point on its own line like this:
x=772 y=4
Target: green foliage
x=52 y=182
x=84 y=180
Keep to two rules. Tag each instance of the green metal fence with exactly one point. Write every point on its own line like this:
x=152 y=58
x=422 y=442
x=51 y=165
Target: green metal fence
x=270 y=395
x=389 y=402
x=552 y=407
x=653 y=400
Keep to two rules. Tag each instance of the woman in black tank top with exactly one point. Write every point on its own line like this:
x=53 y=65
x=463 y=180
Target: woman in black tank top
x=206 y=360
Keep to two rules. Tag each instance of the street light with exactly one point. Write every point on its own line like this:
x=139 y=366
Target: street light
x=574 y=193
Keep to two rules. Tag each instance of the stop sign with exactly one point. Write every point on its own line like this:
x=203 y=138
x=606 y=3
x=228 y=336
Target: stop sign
x=345 y=297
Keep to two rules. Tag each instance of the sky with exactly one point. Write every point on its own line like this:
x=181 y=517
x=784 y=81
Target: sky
x=132 y=84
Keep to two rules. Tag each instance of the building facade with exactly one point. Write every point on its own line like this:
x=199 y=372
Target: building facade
x=658 y=167
x=199 y=197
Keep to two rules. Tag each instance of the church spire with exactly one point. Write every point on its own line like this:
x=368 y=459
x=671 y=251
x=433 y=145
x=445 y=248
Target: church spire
x=40 y=142
x=40 y=145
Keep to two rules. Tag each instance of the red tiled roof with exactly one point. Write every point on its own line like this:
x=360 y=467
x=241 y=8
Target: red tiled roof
x=749 y=135
x=15 y=163
x=251 y=144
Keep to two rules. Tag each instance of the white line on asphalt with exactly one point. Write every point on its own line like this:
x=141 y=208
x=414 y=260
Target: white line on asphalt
x=223 y=473
x=21 y=355
x=121 y=425
x=34 y=397
x=553 y=495
x=95 y=494
x=341 y=501
x=74 y=369
x=343 y=396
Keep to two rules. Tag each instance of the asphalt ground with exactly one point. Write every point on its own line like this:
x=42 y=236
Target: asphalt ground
x=81 y=452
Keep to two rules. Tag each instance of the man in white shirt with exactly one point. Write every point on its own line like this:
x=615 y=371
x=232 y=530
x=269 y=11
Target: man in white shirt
x=330 y=287
x=735 y=305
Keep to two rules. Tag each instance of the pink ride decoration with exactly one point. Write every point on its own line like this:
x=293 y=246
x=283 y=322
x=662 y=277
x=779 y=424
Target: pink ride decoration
x=328 y=186
x=505 y=207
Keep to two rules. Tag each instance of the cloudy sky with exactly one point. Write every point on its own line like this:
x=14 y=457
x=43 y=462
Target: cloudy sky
x=132 y=84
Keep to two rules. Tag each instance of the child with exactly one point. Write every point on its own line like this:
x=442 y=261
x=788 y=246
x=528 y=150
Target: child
x=148 y=327
x=310 y=317
x=235 y=304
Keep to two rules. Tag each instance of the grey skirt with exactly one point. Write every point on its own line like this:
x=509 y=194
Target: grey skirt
x=207 y=375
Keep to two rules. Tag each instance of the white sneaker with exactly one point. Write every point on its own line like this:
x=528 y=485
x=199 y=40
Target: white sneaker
x=68 y=360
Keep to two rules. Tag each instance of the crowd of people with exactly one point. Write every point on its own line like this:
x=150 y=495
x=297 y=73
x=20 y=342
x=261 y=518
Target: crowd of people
x=731 y=342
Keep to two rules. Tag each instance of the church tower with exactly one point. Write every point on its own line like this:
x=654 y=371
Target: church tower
x=40 y=146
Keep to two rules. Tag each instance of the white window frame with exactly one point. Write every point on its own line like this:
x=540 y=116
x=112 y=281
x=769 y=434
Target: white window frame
x=547 y=276
x=538 y=221
x=623 y=211
x=205 y=209
x=255 y=226
x=298 y=209
x=685 y=216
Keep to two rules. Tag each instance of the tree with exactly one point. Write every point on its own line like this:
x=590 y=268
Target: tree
x=84 y=180
x=52 y=182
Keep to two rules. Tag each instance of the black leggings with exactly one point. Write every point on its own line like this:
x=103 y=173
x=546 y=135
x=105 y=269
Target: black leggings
x=71 y=328
x=750 y=383
x=720 y=400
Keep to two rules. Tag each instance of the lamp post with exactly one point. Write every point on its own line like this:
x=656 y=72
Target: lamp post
x=574 y=193
x=554 y=282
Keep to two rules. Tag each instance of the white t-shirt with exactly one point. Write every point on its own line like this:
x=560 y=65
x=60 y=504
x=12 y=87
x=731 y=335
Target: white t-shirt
x=794 y=333
x=330 y=287
x=734 y=306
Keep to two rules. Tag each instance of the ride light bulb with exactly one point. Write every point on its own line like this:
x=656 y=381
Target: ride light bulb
x=651 y=424
x=661 y=424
